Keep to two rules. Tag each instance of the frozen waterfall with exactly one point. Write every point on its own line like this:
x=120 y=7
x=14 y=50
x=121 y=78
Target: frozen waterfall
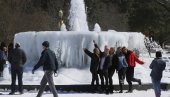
x=77 y=17
x=68 y=45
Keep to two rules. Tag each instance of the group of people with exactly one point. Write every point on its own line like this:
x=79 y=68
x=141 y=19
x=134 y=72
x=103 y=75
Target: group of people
x=104 y=64
x=17 y=58
x=123 y=61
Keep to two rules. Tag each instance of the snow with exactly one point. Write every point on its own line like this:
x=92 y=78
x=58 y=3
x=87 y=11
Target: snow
x=148 y=93
x=97 y=27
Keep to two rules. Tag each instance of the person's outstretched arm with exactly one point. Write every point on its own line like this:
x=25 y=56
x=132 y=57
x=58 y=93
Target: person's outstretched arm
x=88 y=52
x=96 y=46
x=41 y=61
x=137 y=59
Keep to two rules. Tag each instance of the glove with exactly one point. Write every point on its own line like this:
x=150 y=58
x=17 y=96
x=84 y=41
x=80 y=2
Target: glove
x=55 y=73
x=33 y=71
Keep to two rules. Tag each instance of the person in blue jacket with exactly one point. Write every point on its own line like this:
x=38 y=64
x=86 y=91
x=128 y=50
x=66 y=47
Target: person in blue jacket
x=157 y=66
x=122 y=67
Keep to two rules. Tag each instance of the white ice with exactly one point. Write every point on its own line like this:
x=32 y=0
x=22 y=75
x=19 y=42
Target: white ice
x=77 y=16
x=74 y=61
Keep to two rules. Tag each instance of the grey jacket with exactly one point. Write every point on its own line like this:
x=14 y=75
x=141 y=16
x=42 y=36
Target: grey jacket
x=17 y=58
x=157 y=66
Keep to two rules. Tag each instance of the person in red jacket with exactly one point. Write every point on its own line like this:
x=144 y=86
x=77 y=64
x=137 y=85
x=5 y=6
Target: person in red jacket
x=131 y=60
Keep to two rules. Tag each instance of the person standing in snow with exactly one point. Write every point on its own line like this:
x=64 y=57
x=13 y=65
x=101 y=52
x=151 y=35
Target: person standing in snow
x=17 y=59
x=103 y=67
x=157 y=66
x=50 y=66
x=95 y=58
x=112 y=67
x=131 y=59
x=122 y=67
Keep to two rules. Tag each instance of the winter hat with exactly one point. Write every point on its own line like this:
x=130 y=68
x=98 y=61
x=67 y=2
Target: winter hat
x=46 y=44
x=158 y=54
x=17 y=45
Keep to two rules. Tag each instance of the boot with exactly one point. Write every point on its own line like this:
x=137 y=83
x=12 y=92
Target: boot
x=111 y=89
x=11 y=93
x=140 y=83
x=120 y=91
x=130 y=90
x=121 y=88
x=158 y=95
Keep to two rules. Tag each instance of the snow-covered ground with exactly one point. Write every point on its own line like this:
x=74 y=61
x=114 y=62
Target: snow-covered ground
x=149 y=93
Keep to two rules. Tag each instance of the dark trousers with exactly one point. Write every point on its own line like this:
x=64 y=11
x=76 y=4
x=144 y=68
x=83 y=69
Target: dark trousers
x=47 y=78
x=94 y=78
x=111 y=72
x=156 y=87
x=1 y=69
x=121 y=75
x=130 y=77
x=104 y=76
x=17 y=72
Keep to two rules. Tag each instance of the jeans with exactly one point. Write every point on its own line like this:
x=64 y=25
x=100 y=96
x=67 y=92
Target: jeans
x=121 y=75
x=156 y=87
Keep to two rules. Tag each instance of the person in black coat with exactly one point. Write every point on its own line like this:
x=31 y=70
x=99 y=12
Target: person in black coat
x=112 y=67
x=95 y=58
x=103 y=67
x=17 y=59
x=50 y=66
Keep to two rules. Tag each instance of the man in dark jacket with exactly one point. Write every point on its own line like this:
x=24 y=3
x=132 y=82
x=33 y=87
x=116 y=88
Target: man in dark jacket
x=157 y=66
x=131 y=60
x=95 y=58
x=17 y=59
x=50 y=66
x=103 y=67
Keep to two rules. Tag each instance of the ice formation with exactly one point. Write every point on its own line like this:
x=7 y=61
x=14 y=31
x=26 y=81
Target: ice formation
x=68 y=45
